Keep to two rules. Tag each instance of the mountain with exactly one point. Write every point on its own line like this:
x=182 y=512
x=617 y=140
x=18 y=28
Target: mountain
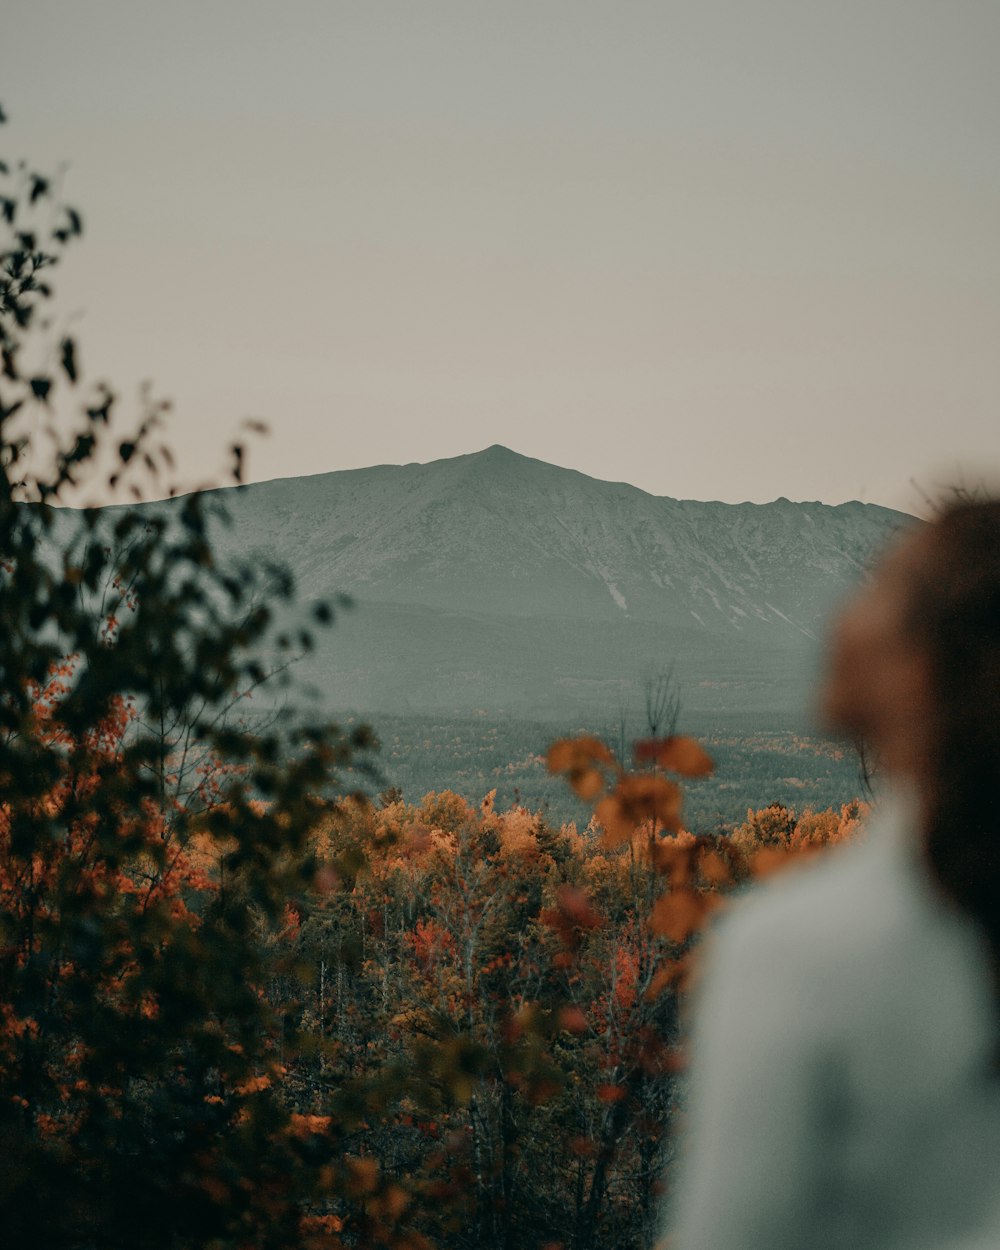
x=497 y=583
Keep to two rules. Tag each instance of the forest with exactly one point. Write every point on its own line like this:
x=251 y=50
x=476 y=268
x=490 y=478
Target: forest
x=245 y=999
x=464 y=1026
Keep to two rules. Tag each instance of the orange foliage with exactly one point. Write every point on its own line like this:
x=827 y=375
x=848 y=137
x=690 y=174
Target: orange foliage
x=678 y=755
x=641 y=806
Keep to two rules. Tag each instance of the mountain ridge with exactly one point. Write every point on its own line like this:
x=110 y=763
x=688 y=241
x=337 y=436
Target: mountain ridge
x=496 y=579
x=495 y=449
x=558 y=536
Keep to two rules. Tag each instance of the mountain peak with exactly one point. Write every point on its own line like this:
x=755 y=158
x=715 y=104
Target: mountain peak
x=497 y=451
x=501 y=465
x=497 y=456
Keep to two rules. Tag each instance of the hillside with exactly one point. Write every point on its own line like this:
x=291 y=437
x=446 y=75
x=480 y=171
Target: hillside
x=496 y=583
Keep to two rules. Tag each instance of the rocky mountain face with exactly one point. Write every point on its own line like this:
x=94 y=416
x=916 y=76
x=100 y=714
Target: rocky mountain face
x=500 y=583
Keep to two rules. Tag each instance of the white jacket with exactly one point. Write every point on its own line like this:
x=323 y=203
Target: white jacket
x=840 y=1091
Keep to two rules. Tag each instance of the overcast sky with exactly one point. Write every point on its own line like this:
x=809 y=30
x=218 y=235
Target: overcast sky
x=720 y=250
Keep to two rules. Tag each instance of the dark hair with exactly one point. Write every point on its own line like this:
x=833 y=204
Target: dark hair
x=956 y=613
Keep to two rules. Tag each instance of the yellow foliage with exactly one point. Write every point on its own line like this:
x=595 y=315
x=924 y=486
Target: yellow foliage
x=517 y=834
x=445 y=810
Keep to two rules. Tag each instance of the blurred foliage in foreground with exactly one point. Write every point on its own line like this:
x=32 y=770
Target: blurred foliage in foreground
x=137 y=1047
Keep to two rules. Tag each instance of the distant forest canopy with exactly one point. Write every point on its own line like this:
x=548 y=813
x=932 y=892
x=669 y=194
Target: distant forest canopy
x=756 y=766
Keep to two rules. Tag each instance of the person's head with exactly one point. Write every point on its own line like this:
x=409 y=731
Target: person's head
x=914 y=667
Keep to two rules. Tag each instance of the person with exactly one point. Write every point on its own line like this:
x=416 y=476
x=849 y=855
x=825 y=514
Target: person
x=845 y=1050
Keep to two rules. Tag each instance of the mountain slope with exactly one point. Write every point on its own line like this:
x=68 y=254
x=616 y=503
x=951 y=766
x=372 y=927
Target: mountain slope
x=496 y=581
x=496 y=531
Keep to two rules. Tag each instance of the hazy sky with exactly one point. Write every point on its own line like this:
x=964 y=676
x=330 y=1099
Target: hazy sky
x=719 y=250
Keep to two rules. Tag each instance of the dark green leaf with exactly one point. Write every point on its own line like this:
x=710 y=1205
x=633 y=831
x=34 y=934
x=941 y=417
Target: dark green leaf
x=40 y=388
x=69 y=358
